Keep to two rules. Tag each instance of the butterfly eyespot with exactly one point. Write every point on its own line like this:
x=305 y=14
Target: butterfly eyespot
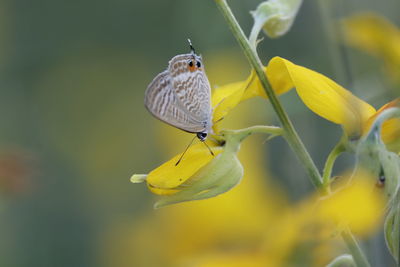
x=198 y=64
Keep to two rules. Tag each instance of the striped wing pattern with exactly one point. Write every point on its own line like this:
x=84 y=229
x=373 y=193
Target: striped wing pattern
x=192 y=88
x=161 y=100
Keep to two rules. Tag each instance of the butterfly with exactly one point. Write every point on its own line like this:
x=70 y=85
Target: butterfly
x=181 y=95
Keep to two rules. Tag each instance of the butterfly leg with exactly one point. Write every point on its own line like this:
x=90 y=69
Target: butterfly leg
x=209 y=148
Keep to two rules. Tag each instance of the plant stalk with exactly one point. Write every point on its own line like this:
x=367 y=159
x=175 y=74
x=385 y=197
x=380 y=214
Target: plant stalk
x=289 y=132
x=355 y=250
x=330 y=161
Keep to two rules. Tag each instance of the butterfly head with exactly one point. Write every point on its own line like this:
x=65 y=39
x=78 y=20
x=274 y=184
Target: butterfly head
x=202 y=136
x=194 y=63
x=186 y=63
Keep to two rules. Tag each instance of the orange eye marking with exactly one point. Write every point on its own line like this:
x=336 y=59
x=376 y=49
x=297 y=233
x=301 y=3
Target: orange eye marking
x=192 y=67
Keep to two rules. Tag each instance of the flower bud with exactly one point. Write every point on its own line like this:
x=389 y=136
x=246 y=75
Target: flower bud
x=275 y=17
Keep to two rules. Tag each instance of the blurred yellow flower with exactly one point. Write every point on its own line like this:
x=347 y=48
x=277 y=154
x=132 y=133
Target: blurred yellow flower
x=253 y=225
x=358 y=205
x=377 y=36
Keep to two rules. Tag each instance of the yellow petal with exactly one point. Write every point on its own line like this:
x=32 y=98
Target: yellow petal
x=391 y=134
x=164 y=179
x=320 y=94
x=390 y=128
x=375 y=35
x=226 y=97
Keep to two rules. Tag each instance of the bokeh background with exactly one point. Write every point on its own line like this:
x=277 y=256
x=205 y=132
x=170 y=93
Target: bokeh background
x=74 y=129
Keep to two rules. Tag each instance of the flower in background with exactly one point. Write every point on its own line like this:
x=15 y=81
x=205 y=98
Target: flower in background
x=377 y=36
x=253 y=225
x=359 y=204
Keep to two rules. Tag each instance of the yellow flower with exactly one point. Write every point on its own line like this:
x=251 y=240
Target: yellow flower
x=225 y=98
x=202 y=175
x=375 y=35
x=390 y=128
x=319 y=93
x=331 y=101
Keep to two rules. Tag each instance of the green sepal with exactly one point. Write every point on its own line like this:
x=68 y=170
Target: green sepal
x=373 y=156
x=220 y=175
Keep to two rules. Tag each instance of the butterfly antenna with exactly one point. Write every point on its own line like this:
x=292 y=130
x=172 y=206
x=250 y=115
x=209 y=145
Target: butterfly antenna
x=184 y=152
x=209 y=148
x=191 y=46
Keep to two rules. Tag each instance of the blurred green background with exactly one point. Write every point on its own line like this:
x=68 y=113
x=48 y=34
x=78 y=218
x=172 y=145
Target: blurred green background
x=74 y=128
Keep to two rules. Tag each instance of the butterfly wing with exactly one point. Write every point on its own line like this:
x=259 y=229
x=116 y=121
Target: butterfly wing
x=161 y=101
x=191 y=87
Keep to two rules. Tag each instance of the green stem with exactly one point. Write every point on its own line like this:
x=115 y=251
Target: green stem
x=330 y=161
x=243 y=133
x=254 y=34
x=289 y=132
x=356 y=252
